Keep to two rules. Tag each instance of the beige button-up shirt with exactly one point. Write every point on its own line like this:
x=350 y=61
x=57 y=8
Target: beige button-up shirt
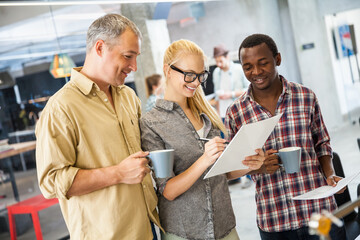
x=79 y=129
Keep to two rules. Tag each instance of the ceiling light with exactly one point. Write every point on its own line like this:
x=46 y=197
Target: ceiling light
x=61 y=66
x=57 y=3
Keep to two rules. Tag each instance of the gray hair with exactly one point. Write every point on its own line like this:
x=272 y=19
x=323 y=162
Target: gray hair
x=109 y=28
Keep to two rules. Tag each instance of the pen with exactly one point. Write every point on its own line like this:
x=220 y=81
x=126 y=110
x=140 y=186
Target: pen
x=204 y=139
x=207 y=139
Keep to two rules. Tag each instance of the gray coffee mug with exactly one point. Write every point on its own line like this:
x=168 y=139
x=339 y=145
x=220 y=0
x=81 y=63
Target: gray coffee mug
x=162 y=162
x=290 y=158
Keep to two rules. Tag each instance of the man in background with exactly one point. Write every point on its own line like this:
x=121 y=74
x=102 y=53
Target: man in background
x=228 y=78
x=88 y=141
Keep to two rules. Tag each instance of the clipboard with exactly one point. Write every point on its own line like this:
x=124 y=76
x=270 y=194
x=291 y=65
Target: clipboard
x=249 y=138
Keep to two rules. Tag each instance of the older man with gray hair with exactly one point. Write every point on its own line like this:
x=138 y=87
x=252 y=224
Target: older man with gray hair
x=88 y=141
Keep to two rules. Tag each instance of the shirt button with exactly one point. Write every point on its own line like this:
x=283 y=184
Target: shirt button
x=278 y=139
x=94 y=94
x=144 y=186
x=105 y=99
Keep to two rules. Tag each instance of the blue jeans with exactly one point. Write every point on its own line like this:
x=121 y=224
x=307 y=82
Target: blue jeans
x=153 y=230
x=336 y=233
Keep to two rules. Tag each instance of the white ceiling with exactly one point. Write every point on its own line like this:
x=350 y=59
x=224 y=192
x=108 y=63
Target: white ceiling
x=31 y=39
x=40 y=37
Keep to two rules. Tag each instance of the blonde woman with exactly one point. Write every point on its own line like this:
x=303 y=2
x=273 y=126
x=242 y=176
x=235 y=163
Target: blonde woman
x=190 y=207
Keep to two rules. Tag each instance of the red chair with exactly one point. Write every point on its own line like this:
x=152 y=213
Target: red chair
x=30 y=206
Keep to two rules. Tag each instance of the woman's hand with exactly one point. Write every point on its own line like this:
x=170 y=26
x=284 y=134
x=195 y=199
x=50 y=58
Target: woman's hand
x=255 y=162
x=182 y=182
x=213 y=150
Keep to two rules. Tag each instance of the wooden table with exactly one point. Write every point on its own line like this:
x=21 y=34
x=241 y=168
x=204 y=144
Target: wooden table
x=17 y=136
x=6 y=156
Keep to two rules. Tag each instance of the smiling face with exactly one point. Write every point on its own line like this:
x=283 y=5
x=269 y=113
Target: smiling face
x=119 y=58
x=176 y=88
x=260 y=67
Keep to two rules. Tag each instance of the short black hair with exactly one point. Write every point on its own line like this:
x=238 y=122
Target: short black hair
x=257 y=39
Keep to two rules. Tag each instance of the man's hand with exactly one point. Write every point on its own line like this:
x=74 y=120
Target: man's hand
x=332 y=181
x=271 y=162
x=134 y=168
x=131 y=170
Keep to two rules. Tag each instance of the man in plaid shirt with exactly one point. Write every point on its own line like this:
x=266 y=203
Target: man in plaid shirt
x=269 y=94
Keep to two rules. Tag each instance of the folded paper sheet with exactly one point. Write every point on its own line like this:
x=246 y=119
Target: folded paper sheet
x=326 y=191
x=249 y=138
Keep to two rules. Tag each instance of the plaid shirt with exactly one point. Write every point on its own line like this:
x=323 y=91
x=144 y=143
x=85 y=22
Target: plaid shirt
x=301 y=125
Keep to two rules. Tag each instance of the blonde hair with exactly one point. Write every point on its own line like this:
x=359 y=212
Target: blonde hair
x=198 y=104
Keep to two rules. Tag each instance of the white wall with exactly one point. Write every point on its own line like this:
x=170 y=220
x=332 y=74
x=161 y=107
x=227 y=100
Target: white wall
x=230 y=21
x=155 y=39
x=335 y=6
x=348 y=91
x=291 y=23
x=315 y=64
x=159 y=40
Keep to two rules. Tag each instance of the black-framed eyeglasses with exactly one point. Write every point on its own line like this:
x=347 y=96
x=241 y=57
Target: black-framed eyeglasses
x=189 y=77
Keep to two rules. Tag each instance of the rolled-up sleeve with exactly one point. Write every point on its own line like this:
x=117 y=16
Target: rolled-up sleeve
x=319 y=132
x=230 y=124
x=150 y=141
x=55 y=153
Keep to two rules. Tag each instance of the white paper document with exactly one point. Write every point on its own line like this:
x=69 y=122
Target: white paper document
x=249 y=138
x=326 y=191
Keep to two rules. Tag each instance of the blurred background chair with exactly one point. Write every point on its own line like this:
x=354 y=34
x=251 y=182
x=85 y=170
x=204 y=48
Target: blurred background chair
x=352 y=220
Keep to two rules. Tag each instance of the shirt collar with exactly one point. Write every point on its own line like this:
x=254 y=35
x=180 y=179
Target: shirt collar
x=286 y=86
x=84 y=84
x=166 y=105
x=169 y=106
x=231 y=67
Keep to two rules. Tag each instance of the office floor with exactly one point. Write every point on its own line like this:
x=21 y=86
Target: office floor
x=344 y=142
x=52 y=223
